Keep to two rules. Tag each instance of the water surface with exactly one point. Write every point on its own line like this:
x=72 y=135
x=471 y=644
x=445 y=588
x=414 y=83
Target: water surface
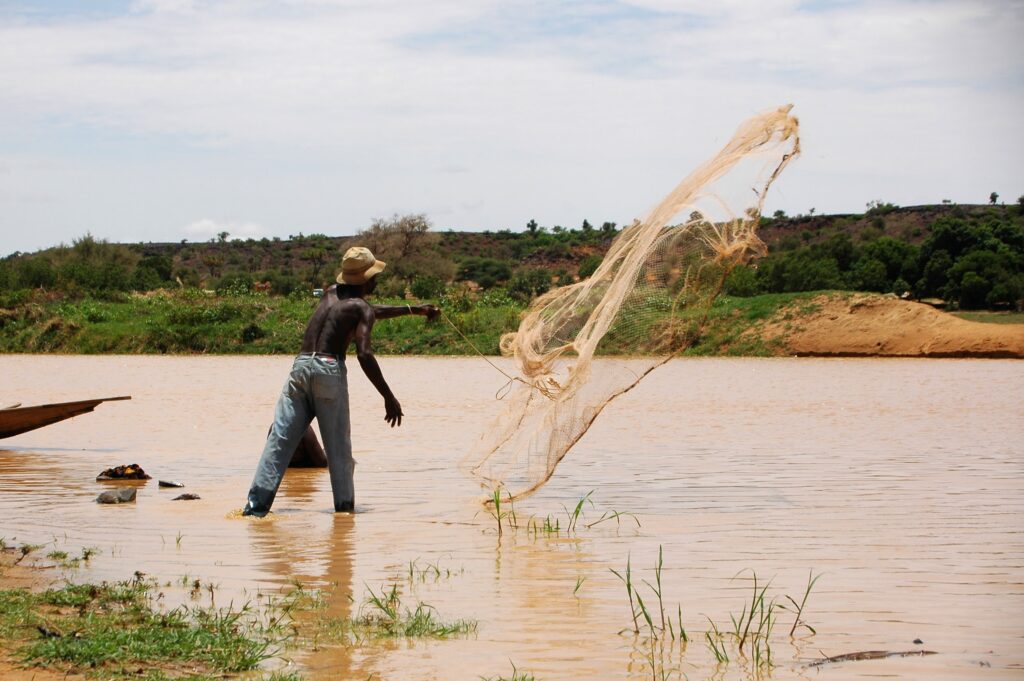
x=902 y=481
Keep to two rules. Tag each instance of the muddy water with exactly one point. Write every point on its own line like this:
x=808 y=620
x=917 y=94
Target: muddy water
x=900 y=481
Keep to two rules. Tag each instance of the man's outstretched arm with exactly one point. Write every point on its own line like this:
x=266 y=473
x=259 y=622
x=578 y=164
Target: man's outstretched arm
x=364 y=353
x=389 y=311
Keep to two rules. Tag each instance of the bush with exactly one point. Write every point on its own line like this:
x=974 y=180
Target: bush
x=426 y=287
x=252 y=332
x=36 y=272
x=869 y=275
x=742 y=282
x=526 y=284
x=487 y=272
x=235 y=284
x=589 y=265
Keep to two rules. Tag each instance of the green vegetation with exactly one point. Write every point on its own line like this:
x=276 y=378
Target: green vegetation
x=749 y=633
x=255 y=296
x=112 y=630
x=992 y=317
x=189 y=321
x=504 y=514
x=974 y=259
x=118 y=627
x=383 y=615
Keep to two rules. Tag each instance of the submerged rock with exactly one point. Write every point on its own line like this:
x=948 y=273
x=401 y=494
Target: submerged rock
x=185 y=497
x=117 y=496
x=170 y=483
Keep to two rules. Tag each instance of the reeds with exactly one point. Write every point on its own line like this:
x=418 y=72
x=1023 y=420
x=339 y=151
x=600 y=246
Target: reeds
x=754 y=625
x=383 y=615
x=504 y=514
x=798 y=609
x=658 y=623
x=428 y=571
x=509 y=516
x=748 y=639
x=574 y=515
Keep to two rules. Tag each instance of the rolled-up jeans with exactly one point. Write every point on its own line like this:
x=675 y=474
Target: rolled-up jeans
x=317 y=386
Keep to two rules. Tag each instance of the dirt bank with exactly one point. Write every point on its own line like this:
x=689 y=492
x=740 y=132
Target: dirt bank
x=885 y=326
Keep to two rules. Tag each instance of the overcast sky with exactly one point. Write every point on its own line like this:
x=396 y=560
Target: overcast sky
x=161 y=120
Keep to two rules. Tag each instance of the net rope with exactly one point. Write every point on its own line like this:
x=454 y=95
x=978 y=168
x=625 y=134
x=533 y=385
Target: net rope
x=646 y=302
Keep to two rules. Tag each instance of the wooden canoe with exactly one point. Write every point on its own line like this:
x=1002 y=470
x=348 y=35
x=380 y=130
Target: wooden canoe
x=23 y=419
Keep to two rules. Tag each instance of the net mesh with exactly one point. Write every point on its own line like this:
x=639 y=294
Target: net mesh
x=647 y=300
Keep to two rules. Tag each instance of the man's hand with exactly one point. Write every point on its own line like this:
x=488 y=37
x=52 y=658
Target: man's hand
x=432 y=312
x=393 y=411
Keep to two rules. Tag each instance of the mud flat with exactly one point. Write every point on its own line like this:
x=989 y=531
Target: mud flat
x=899 y=481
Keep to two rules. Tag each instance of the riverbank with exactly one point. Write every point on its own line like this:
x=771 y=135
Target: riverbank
x=55 y=627
x=189 y=322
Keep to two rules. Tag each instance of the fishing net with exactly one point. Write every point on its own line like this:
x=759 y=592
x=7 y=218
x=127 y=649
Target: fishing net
x=648 y=300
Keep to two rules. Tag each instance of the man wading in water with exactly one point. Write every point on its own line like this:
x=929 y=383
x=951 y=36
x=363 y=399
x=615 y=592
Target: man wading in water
x=318 y=385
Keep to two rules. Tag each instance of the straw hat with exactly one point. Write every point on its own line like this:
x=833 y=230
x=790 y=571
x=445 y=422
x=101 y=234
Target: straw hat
x=358 y=265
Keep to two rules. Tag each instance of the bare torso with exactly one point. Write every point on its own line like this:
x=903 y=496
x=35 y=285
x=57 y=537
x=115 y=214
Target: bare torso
x=332 y=327
x=344 y=318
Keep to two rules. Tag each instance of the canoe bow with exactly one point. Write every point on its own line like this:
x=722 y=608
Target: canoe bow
x=23 y=419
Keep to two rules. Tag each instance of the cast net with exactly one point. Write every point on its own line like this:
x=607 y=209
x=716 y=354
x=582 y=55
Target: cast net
x=648 y=301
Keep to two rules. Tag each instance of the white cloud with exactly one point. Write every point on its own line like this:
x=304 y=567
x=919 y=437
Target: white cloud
x=317 y=115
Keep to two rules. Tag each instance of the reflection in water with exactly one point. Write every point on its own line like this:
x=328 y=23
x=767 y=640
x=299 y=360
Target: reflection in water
x=900 y=480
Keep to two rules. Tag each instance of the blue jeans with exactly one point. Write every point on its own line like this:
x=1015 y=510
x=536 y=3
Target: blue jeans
x=317 y=386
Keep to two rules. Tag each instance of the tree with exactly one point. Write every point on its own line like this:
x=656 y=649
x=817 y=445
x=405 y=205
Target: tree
x=993 y=198
x=407 y=245
x=214 y=263
x=317 y=253
x=531 y=226
x=222 y=236
x=869 y=275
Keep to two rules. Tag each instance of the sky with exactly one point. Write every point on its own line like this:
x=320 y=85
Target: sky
x=163 y=120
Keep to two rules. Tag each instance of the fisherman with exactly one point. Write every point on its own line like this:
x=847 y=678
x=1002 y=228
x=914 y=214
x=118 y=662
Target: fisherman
x=318 y=383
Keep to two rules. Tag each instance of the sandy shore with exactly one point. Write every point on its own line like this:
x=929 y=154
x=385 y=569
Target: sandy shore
x=868 y=325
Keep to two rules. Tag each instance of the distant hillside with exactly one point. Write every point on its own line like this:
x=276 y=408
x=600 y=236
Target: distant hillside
x=565 y=250
x=969 y=255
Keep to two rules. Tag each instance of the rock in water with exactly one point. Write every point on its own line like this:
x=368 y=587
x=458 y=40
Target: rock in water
x=170 y=483
x=117 y=496
x=132 y=471
x=185 y=497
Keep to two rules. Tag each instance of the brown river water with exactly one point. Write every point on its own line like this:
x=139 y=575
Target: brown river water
x=900 y=481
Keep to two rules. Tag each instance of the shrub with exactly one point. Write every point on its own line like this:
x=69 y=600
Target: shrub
x=742 y=282
x=426 y=287
x=526 y=284
x=487 y=272
x=252 y=332
x=589 y=265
